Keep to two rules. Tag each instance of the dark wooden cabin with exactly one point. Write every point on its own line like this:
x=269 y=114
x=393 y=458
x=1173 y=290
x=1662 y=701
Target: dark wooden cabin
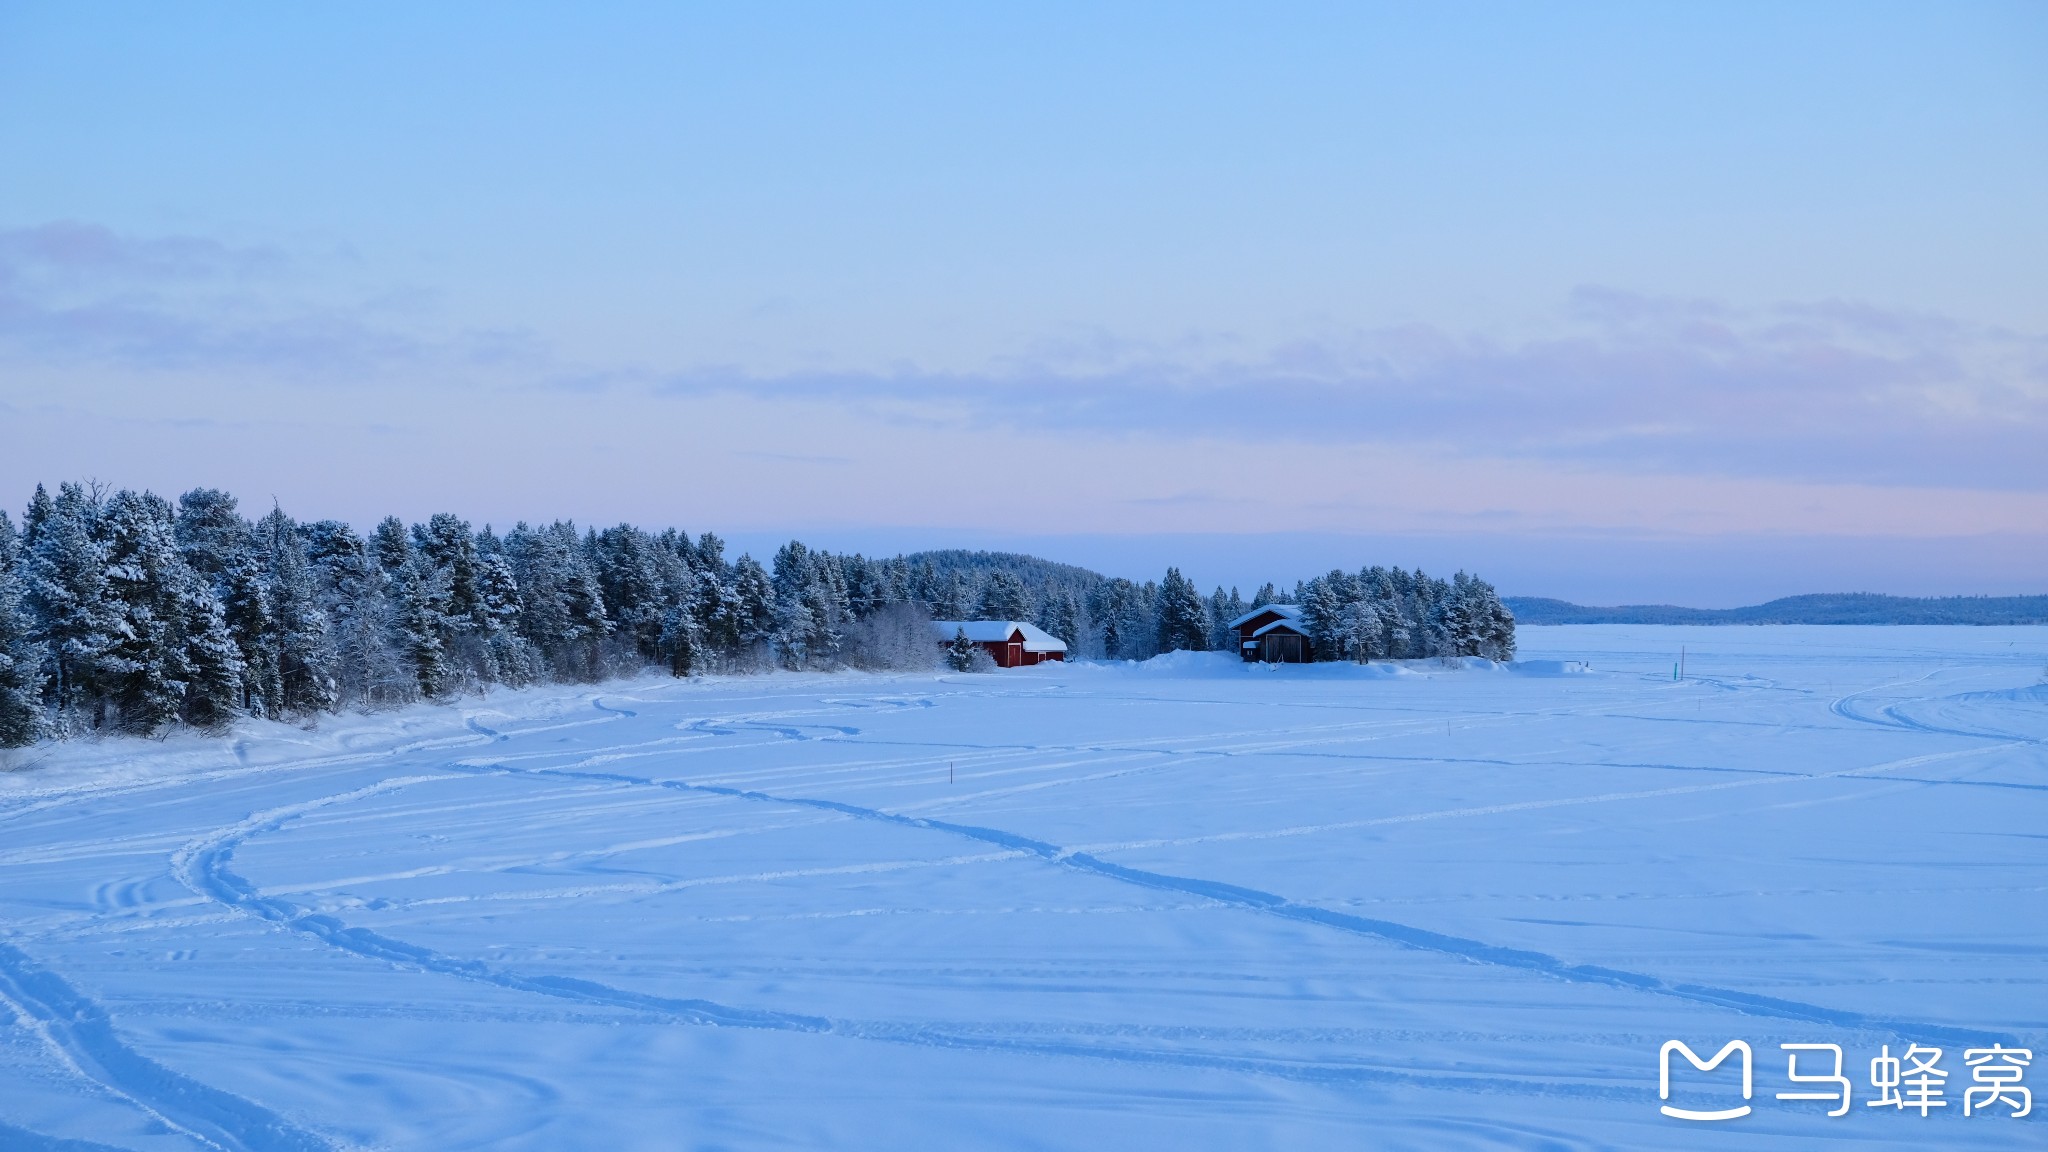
x=1273 y=634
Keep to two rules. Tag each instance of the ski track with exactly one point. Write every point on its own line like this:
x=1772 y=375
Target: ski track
x=22 y=1140
x=204 y=866
x=80 y=1028
x=1254 y=900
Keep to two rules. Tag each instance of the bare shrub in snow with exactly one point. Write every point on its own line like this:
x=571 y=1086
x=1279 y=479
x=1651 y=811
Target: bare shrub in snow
x=892 y=638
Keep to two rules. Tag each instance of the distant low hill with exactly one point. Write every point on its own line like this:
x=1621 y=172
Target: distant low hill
x=1825 y=608
x=1035 y=571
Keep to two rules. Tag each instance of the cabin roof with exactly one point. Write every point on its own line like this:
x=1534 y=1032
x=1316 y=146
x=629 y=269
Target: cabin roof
x=1035 y=639
x=1286 y=611
x=1281 y=625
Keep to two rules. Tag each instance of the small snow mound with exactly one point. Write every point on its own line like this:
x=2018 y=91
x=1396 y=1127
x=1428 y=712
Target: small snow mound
x=2036 y=694
x=1549 y=667
x=1193 y=664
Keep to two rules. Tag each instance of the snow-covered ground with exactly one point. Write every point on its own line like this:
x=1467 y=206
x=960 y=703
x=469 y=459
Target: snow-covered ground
x=1187 y=904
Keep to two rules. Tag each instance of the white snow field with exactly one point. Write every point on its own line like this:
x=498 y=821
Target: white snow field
x=1183 y=905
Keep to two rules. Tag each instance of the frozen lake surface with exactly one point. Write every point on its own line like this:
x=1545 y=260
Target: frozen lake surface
x=1189 y=905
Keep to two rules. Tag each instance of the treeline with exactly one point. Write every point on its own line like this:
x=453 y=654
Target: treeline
x=125 y=612
x=1388 y=613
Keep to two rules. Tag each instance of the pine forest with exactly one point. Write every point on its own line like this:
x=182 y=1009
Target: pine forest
x=124 y=612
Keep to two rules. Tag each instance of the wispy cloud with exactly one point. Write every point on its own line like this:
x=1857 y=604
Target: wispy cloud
x=74 y=292
x=69 y=249
x=1822 y=391
x=1829 y=391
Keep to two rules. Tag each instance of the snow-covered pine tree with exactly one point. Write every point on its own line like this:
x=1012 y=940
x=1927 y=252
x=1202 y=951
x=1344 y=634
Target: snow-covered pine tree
x=352 y=593
x=543 y=617
x=710 y=554
x=1500 y=626
x=69 y=597
x=895 y=583
x=305 y=656
x=863 y=594
x=756 y=595
x=447 y=545
x=561 y=607
x=1003 y=597
x=1504 y=625
x=1364 y=632
x=791 y=570
x=927 y=588
x=163 y=604
x=962 y=653
x=445 y=551
x=391 y=545
x=794 y=620
x=1470 y=602
x=416 y=629
x=825 y=595
x=21 y=658
x=679 y=638
x=415 y=591
x=794 y=624
x=1141 y=630
x=213 y=689
x=1055 y=613
x=1107 y=608
x=714 y=603
x=1183 y=621
x=512 y=659
x=1437 y=616
x=676 y=557
x=211 y=534
x=40 y=509
x=716 y=609
x=1063 y=617
x=245 y=604
x=1322 y=617
x=584 y=598
x=1222 y=610
x=629 y=578
x=954 y=597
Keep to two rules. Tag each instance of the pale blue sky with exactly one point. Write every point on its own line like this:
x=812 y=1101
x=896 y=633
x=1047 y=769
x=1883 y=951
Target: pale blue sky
x=1629 y=279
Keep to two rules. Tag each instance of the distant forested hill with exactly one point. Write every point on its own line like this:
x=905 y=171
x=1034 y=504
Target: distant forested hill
x=1824 y=608
x=1034 y=571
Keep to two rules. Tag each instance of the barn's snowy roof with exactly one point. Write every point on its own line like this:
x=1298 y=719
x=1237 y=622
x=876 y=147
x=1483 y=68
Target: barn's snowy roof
x=1286 y=611
x=1036 y=639
x=1281 y=625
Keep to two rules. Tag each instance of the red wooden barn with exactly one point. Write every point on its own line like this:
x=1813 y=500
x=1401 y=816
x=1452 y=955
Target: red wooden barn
x=1013 y=643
